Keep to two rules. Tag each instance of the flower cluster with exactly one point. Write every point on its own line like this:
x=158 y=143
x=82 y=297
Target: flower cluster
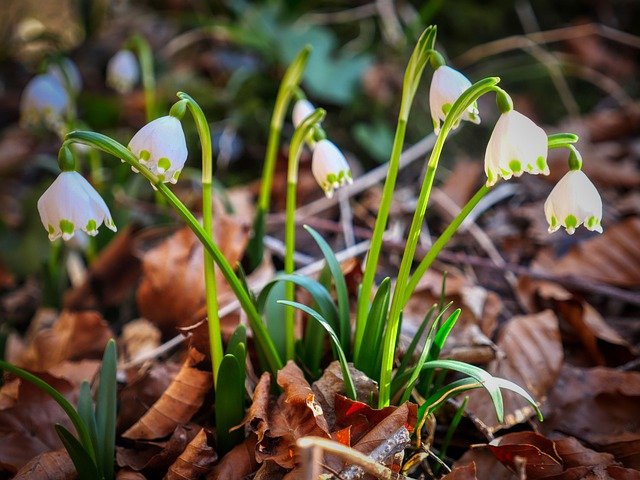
x=328 y=164
x=516 y=146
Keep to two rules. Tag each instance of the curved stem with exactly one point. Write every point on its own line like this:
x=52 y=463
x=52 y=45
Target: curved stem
x=145 y=57
x=213 y=319
x=412 y=76
x=295 y=150
x=116 y=149
x=461 y=104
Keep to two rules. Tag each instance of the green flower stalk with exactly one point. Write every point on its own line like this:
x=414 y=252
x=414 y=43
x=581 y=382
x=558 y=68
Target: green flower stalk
x=145 y=57
x=295 y=150
x=288 y=86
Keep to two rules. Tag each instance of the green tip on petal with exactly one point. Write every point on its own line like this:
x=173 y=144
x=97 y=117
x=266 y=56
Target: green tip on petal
x=541 y=163
x=67 y=227
x=164 y=164
x=515 y=166
x=92 y=226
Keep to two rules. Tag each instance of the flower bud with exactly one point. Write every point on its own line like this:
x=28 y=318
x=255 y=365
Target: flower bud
x=517 y=145
x=123 y=72
x=572 y=202
x=161 y=147
x=301 y=110
x=329 y=167
x=71 y=204
x=447 y=85
x=45 y=102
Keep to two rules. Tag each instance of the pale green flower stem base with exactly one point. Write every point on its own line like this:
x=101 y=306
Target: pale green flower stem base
x=108 y=145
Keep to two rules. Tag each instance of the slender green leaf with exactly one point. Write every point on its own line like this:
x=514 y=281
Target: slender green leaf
x=85 y=410
x=406 y=358
x=229 y=409
x=341 y=288
x=106 y=411
x=368 y=359
x=346 y=374
x=85 y=467
x=509 y=385
x=255 y=248
x=274 y=316
x=453 y=426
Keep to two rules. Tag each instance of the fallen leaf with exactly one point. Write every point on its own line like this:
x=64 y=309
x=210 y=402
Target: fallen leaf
x=170 y=304
x=257 y=417
x=464 y=472
x=56 y=465
x=487 y=466
x=574 y=454
x=532 y=359
x=74 y=336
x=404 y=415
x=462 y=182
x=530 y=451
x=296 y=414
x=358 y=416
x=599 y=406
x=111 y=277
x=138 y=337
x=127 y=474
x=196 y=460
x=178 y=403
x=238 y=463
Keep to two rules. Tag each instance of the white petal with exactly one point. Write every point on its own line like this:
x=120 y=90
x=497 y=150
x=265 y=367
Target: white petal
x=44 y=101
x=123 y=71
x=447 y=85
x=572 y=202
x=301 y=110
x=329 y=167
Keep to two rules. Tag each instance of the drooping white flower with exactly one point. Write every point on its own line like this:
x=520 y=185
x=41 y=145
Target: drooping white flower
x=329 y=167
x=572 y=202
x=67 y=73
x=45 y=102
x=447 y=85
x=161 y=147
x=517 y=145
x=123 y=71
x=301 y=110
x=71 y=204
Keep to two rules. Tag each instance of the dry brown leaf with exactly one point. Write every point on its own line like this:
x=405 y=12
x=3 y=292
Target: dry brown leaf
x=127 y=474
x=405 y=415
x=238 y=463
x=532 y=359
x=257 y=418
x=178 y=403
x=74 y=336
x=463 y=472
x=599 y=406
x=27 y=427
x=169 y=303
x=196 y=460
x=528 y=452
x=574 y=454
x=613 y=257
x=138 y=337
x=56 y=465
x=462 y=182
x=331 y=384
x=487 y=466
x=297 y=414
x=111 y=277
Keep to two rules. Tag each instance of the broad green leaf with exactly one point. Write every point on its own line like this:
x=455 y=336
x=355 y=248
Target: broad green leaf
x=239 y=337
x=229 y=409
x=368 y=359
x=85 y=467
x=106 y=411
x=341 y=289
x=346 y=374
x=274 y=316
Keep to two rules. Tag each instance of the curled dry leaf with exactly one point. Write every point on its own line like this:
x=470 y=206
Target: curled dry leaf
x=171 y=304
x=238 y=463
x=463 y=472
x=56 y=465
x=405 y=415
x=331 y=384
x=527 y=451
x=196 y=460
x=111 y=277
x=532 y=359
x=613 y=257
x=27 y=427
x=257 y=418
x=178 y=403
x=296 y=414
x=358 y=417
x=599 y=406
x=74 y=336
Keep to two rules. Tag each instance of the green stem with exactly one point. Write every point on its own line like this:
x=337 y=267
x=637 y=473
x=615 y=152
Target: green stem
x=213 y=319
x=145 y=57
x=81 y=428
x=118 y=150
x=295 y=150
x=412 y=76
x=288 y=86
x=442 y=240
x=397 y=301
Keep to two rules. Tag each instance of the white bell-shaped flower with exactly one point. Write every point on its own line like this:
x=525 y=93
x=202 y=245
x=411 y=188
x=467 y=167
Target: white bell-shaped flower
x=447 y=85
x=517 y=145
x=67 y=73
x=161 y=147
x=71 y=204
x=572 y=202
x=301 y=110
x=45 y=102
x=123 y=71
x=329 y=167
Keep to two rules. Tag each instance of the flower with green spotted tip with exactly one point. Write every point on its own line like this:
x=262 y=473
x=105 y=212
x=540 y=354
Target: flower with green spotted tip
x=329 y=167
x=161 y=147
x=123 y=72
x=447 y=85
x=301 y=110
x=45 y=102
x=71 y=204
x=574 y=201
x=517 y=146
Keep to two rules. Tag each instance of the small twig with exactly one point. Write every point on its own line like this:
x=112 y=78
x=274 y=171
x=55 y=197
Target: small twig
x=277 y=246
